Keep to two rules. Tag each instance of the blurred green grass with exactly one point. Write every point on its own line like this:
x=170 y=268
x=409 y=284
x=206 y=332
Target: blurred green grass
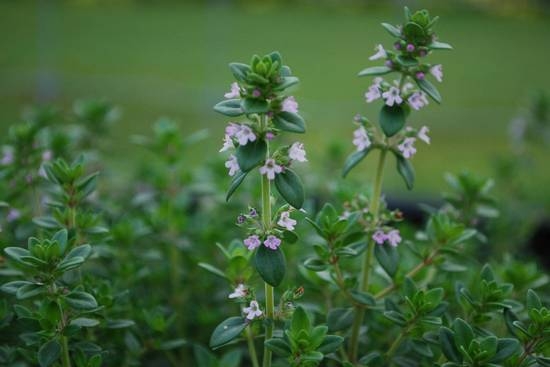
x=170 y=60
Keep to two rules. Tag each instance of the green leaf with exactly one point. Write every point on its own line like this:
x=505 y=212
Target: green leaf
x=253 y=105
x=315 y=264
x=429 y=89
x=312 y=356
x=251 y=154
x=375 y=70
x=119 y=324
x=30 y=290
x=392 y=119
x=16 y=253
x=394 y=31
x=87 y=185
x=339 y=319
x=446 y=338
x=49 y=353
x=286 y=82
x=463 y=333
x=47 y=222
x=506 y=347
x=288 y=121
x=533 y=300
x=212 y=269
x=407 y=61
x=278 y=346
x=300 y=321
x=354 y=159
x=236 y=181
x=239 y=71
x=270 y=264
x=330 y=344
x=13 y=287
x=82 y=251
x=172 y=344
x=290 y=187
x=388 y=257
x=81 y=300
x=228 y=330
x=406 y=170
x=61 y=237
x=69 y=264
x=396 y=317
x=203 y=357
x=363 y=298
x=229 y=107
x=85 y=322
x=436 y=45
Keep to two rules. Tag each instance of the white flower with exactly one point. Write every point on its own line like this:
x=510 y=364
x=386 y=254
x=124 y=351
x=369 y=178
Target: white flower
x=407 y=148
x=423 y=134
x=232 y=164
x=290 y=105
x=239 y=292
x=232 y=129
x=393 y=237
x=227 y=143
x=417 y=100
x=297 y=152
x=7 y=156
x=235 y=91
x=286 y=222
x=437 y=72
x=373 y=93
x=270 y=168
x=392 y=96
x=361 y=139
x=380 y=53
x=244 y=135
x=253 y=311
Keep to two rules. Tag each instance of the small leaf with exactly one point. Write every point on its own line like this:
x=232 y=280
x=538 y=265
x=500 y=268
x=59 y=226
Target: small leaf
x=533 y=300
x=83 y=251
x=446 y=338
x=61 y=238
x=394 y=31
x=278 y=346
x=119 y=324
x=506 y=347
x=396 y=317
x=375 y=70
x=229 y=107
x=339 y=319
x=430 y=89
x=288 y=121
x=49 y=353
x=228 y=330
x=315 y=264
x=236 y=181
x=354 y=159
x=392 y=119
x=436 y=45
x=463 y=333
x=81 y=300
x=30 y=290
x=253 y=105
x=290 y=187
x=13 y=287
x=300 y=321
x=251 y=154
x=330 y=344
x=286 y=82
x=406 y=170
x=388 y=257
x=363 y=298
x=239 y=71
x=270 y=264
x=212 y=269
x=85 y=322
x=47 y=222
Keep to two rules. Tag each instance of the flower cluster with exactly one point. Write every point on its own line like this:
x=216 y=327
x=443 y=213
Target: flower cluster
x=270 y=237
x=392 y=237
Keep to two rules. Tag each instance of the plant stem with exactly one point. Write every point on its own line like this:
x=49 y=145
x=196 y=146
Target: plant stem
x=367 y=261
x=65 y=358
x=251 y=347
x=266 y=217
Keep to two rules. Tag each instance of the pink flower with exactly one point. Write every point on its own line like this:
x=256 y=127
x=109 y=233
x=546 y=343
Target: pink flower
x=423 y=134
x=290 y=105
x=417 y=100
x=270 y=169
x=235 y=91
x=407 y=148
x=373 y=93
x=297 y=152
x=227 y=143
x=253 y=311
x=244 y=135
x=392 y=96
x=239 y=292
x=379 y=237
x=13 y=215
x=272 y=242
x=380 y=53
x=286 y=222
x=361 y=139
x=232 y=164
x=232 y=129
x=437 y=72
x=393 y=237
x=7 y=156
x=252 y=242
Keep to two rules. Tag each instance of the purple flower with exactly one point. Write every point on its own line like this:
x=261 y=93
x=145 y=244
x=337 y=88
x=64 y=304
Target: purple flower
x=227 y=143
x=437 y=72
x=423 y=134
x=232 y=129
x=271 y=168
x=232 y=164
x=380 y=53
x=253 y=311
x=7 y=156
x=13 y=215
x=392 y=96
x=286 y=222
x=297 y=152
x=393 y=237
x=417 y=100
x=272 y=242
x=389 y=63
x=379 y=237
x=244 y=135
x=361 y=139
x=269 y=135
x=253 y=212
x=407 y=148
x=256 y=93
x=252 y=242
x=397 y=45
x=235 y=91
x=423 y=53
x=410 y=47
x=239 y=292
x=420 y=75
x=241 y=219
x=290 y=105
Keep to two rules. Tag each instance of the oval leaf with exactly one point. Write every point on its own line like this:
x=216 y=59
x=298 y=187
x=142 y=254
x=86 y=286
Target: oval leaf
x=81 y=300
x=239 y=71
x=236 y=181
x=271 y=265
x=392 y=119
x=430 y=89
x=228 y=330
x=288 y=121
x=354 y=159
x=406 y=170
x=394 y=31
x=251 y=154
x=230 y=107
x=375 y=70
x=252 y=105
x=388 y=257
x=49 y=353
x=290 y=187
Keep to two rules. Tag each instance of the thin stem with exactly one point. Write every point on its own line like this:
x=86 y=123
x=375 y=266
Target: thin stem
x=266 y=217
x=65 y=358
x=367 y=261
x=251 y=347
x=395 y=344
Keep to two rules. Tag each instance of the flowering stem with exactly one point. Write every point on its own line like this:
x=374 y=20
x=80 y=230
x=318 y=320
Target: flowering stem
x=251 y=347
x=266 y=217
x=374 y=207
x=65 y=358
